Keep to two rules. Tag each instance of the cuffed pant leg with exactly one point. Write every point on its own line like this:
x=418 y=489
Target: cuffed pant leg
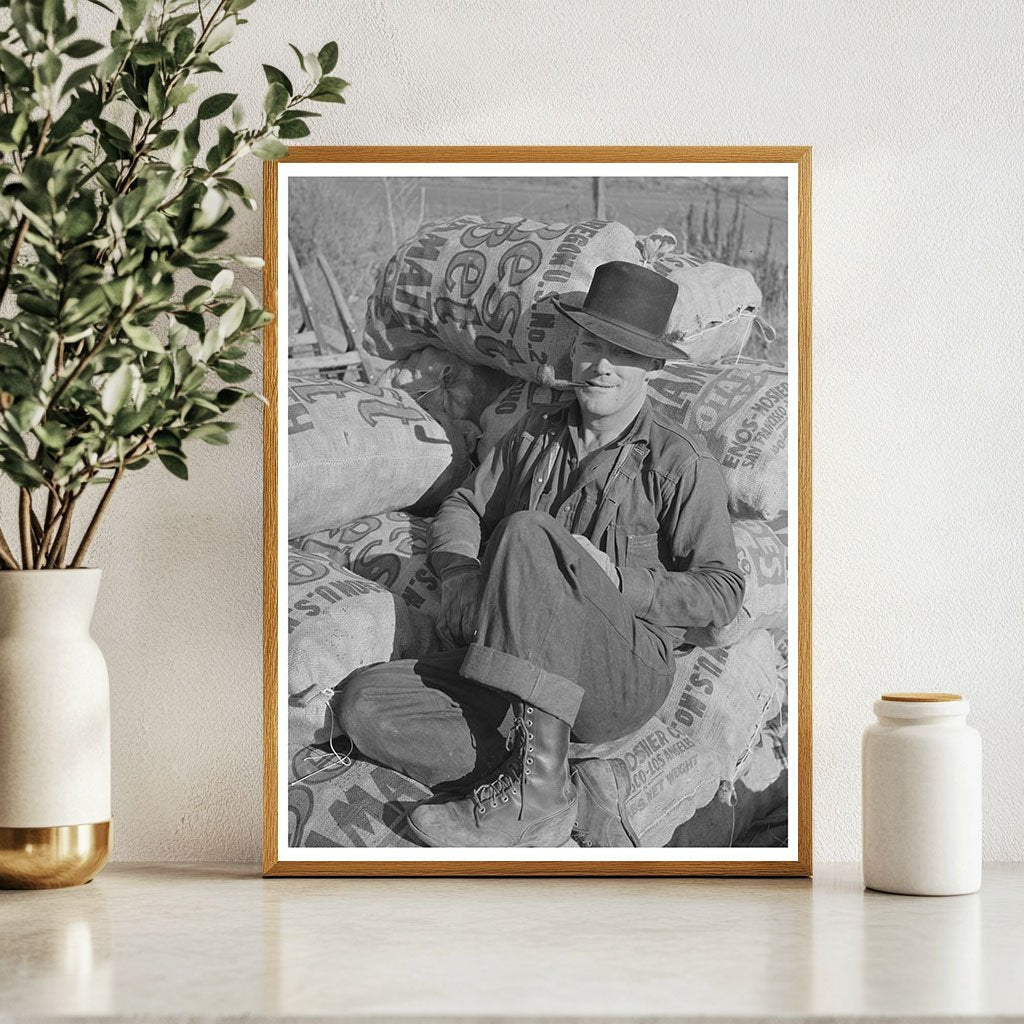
x=554 y=630
x=424 y=719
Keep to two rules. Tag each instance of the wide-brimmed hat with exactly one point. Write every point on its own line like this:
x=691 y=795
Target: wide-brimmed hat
x=629 y=306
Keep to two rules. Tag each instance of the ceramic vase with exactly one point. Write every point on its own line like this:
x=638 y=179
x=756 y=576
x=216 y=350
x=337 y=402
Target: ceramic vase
x=54 y=731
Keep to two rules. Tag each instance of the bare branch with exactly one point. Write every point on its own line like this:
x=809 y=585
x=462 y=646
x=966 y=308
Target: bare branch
x=25 y=522
x=6 y=554
x=90 y=531
x=61 y=543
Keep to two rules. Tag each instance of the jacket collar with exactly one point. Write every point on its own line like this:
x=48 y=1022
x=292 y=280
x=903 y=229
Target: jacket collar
x=639 y=430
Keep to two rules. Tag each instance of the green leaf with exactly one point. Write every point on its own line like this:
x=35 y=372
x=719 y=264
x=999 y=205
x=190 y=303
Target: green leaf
x=214 y=105
x=109 y=65
x=83 y=48
x=26 y=413
x=129 y=207
x=164 y=376
x=115 y=133
x=181 y=94
x=21 y=471
x=310 y=65
x=156 y=101
x=144 y=338
x=78 y=78
x=232 y=319
x=211 y=433
x=222 y=282
x=276 y=100
x=196 y=296
x=16 y=70
x=145 y=54
x=211 y=208
x=167 y=441
x=323 y=96
x=11 y=356
x=162 y=139
x=275 y=76
x=133 y=12
x=35 y=304
x=293 y=130
x=328 y=57
x=184 y=44
x=193 y=379
x=227 y=397
x=232 y=373
x=221 y=35
x=269 y=149
x=53 y=15
x=174 y=464
x=26 y=21
x=52 y=435
x=49 y=68
x=128 y=421
x=338 y=85
x=116 y=390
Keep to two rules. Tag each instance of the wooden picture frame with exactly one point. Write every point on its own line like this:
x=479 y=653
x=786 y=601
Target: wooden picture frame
x=791 y=162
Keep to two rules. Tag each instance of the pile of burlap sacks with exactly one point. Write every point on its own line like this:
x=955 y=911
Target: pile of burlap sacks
x=459 y=331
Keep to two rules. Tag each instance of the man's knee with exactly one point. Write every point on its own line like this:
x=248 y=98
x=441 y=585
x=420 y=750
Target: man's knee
x=356 y=708
x=522 y=527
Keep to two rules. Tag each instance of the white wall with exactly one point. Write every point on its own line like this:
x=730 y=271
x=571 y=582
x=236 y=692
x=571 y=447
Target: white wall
x=914 y=113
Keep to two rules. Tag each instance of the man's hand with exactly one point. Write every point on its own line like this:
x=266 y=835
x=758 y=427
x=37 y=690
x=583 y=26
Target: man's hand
x=600 y=557
x=460 y=607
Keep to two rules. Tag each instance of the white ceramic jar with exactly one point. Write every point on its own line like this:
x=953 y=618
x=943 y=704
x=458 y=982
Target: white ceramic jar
x=921 y=779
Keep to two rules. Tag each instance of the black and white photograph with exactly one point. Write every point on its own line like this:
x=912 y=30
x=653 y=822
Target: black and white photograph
x=537 y=596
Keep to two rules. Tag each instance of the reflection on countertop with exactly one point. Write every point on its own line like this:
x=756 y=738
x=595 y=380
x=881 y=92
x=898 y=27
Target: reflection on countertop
x=177 y=941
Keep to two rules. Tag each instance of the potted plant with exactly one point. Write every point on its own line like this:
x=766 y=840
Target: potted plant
x=122 y=339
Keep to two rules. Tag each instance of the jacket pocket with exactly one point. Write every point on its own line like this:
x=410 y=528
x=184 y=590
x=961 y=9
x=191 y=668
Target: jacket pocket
x=642 y=550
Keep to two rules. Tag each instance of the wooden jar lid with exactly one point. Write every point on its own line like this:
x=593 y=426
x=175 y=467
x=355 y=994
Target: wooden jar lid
x=921 y=698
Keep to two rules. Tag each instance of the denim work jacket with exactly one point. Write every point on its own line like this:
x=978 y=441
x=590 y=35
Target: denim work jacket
x=654 y=501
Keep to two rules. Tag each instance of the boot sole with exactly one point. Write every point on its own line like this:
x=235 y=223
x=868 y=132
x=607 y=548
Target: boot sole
x=529 y=840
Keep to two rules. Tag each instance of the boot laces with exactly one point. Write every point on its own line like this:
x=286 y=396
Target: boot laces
x=513 y=770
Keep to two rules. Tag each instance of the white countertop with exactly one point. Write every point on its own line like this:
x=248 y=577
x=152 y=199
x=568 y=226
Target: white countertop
x=181 y=941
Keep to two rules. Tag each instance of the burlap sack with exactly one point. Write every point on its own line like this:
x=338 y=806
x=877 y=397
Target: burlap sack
x=336 y=800
x=338 y=622
x=714 y=312
x=355 y=449
x=742 y=418
x=751 y=810
x=710 y=721
x=510 y=407
x=445 y=385
x=390 y=549
x=762 y=560
x=483 y=290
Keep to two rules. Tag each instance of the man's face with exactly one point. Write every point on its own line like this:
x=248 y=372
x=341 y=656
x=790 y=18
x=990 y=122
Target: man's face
x=615 y=377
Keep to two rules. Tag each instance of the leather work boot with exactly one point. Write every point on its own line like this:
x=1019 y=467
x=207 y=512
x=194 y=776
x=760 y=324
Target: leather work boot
x=602 y=786
x=527 y=801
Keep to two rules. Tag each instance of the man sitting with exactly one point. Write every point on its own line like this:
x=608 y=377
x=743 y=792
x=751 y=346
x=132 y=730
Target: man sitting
x=570 y=562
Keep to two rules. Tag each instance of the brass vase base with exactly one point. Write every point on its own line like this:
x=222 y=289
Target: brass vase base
x=52 y=858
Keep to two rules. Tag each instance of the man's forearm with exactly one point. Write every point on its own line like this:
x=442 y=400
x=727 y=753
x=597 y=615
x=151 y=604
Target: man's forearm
x=455 y=537
x=709 y=596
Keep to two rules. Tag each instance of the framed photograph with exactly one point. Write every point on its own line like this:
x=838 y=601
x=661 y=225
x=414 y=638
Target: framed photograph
x=538 y=511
